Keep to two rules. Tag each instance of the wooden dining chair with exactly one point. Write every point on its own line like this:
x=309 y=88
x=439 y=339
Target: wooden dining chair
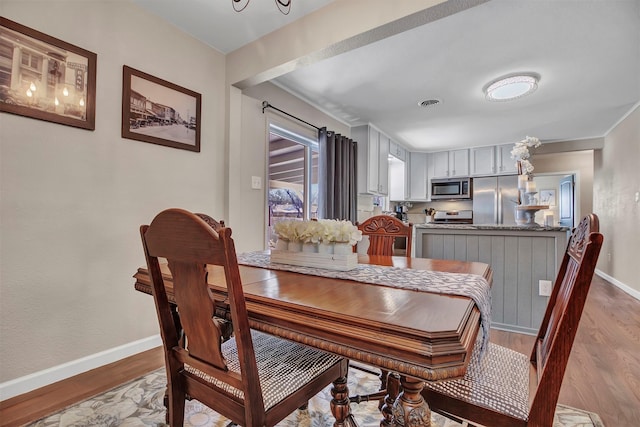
x=497 y=389
x=382 y=231
x=253 y=379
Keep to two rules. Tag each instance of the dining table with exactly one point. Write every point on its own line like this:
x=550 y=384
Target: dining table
x=400 y=314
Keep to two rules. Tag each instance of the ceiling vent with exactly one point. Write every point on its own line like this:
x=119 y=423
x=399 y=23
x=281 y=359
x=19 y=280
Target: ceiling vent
x=429 y=103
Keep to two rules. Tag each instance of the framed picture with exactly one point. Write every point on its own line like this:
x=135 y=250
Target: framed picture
x=46 y=78
x=548 y=197
x=159 y=112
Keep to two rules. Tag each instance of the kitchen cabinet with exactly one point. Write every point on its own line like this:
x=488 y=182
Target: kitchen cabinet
x=453 y=163
x=373 y=161
x=418 y=181
x=440 y=163
x=397 y=180
x=492 y=160
x=506 y=165
x=397 y=151
x=483 y=161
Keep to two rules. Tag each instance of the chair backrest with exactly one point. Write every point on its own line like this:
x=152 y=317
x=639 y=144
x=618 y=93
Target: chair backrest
x=382 y=231
x=189 y=242
x=560 y=323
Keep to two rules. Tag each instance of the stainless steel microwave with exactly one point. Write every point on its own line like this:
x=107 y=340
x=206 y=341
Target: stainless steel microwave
x=450 y=188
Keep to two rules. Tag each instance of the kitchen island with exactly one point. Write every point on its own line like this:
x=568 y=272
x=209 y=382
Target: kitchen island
x=520 y=257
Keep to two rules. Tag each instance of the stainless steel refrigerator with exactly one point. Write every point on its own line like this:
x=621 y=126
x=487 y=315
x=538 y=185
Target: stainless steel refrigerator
x=495 y=199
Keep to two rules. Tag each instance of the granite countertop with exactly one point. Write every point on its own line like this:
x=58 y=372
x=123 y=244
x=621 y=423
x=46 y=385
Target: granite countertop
x=501 y=227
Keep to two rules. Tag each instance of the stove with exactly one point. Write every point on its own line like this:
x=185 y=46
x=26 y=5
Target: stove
x=453 y=217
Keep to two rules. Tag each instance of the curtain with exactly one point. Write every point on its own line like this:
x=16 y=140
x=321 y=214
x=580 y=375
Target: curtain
x=338 y=189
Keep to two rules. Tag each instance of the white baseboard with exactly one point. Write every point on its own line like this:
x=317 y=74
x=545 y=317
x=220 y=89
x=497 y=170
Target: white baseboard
x=628 y=289
x=54 y=374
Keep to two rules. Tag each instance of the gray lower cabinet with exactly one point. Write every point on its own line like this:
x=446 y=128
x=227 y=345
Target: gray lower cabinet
x=519 y=259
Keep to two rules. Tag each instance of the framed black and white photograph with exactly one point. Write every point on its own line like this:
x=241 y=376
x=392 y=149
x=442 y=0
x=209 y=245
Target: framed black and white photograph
x=548 y=197
x=45 y=78
x=159 y=112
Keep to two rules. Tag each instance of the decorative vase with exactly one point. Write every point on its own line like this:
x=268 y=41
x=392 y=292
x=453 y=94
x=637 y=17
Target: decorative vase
x=520 y=216
x=325 y=248
x=342 y=248
x=309 y=247
x=282 y=244
x=295 y=246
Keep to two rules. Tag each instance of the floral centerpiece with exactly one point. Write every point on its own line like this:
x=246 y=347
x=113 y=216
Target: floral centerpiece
x=520 y=153
x=527 y=203
x=326 y=243
x=321 y=231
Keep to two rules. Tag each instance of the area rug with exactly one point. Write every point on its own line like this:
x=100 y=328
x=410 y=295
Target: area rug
x=139 y=403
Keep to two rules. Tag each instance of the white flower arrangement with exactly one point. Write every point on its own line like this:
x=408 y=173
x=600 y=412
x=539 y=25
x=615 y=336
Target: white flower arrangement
x=324 y=230
x=520 y=153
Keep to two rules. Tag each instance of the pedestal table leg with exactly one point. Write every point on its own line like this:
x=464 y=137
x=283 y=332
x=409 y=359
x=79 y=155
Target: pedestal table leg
x=410 y=409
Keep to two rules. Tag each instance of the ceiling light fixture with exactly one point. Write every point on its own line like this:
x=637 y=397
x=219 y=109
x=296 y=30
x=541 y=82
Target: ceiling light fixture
x=284 y=6
x=511 y=87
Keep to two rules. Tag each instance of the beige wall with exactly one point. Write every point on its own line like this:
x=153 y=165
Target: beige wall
x=616 y=182
x=72 y=200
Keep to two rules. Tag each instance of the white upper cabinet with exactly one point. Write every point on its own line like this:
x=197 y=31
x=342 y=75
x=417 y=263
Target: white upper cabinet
x=417 y=177
x=483 y=161
x=452 y=163
x=383 y=161
x=396 y=150
x=373 y=162
x=440 y=162
x=506 y=165
x=397 y=179
x=493 y=160
x=459 y=162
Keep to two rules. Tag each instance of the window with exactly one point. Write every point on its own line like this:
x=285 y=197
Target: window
x=293 y=175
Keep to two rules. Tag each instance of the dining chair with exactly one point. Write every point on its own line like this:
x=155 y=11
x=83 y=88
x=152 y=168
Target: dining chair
x=507 y=388
x=382 y=231
x=253 y=379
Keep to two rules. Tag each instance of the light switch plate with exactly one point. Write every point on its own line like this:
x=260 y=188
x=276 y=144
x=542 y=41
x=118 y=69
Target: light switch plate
x=256 y=182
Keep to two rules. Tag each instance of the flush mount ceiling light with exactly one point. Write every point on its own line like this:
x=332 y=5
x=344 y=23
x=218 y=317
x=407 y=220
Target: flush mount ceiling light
x=284 y=6
x=511 y=87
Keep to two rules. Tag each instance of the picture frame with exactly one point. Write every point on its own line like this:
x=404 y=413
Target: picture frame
x=159 y=112
x=548 y=197
x=46 y=78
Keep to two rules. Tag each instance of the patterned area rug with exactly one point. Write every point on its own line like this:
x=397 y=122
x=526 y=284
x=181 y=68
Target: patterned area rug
x=140 y=403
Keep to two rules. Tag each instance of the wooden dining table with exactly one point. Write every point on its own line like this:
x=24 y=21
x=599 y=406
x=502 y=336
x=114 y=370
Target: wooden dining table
x=422 y=336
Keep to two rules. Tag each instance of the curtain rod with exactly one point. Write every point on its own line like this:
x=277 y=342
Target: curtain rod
x=265 y=105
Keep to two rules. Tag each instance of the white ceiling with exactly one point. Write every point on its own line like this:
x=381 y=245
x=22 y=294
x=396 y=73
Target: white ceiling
x=587 y=53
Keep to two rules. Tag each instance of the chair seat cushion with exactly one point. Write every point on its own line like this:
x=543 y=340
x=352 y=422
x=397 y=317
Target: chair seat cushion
x=283 y=366
x=498 y=381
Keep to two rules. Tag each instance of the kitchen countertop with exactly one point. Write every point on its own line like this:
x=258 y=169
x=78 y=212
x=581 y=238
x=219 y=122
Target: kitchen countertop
x=501 y=227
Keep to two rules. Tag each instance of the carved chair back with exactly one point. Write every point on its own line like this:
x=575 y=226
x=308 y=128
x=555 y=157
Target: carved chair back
x=226 y=376
x=484 y=396
x=557 y=332
x=382 y=231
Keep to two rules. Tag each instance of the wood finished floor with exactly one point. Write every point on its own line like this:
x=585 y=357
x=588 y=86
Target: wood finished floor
x=603 y=375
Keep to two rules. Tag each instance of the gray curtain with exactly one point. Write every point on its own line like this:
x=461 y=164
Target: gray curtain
x=338 y=189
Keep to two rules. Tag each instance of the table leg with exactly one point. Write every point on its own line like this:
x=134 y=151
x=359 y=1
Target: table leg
x=393 y=389
x=410 y=409
x=340 y=404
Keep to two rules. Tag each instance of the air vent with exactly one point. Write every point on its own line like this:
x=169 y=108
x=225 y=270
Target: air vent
x=429 y=103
